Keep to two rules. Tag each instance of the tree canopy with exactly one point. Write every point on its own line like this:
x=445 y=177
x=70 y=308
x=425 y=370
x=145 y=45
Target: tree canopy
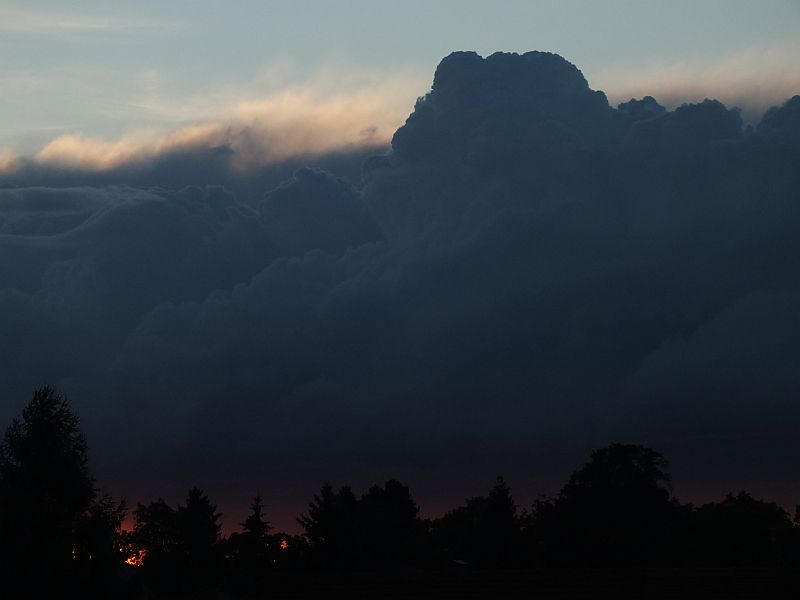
x=55 y=529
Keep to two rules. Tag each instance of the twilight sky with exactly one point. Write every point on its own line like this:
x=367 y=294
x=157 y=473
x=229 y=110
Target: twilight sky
x=273 y=244
x=132 y=68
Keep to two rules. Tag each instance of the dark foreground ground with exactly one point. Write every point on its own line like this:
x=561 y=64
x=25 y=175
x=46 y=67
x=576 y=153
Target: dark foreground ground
x=639 y=584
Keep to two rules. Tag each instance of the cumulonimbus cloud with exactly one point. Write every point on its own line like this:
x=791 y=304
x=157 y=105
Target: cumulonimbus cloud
x=752 y=80
x=301 y=120
x=528 y=270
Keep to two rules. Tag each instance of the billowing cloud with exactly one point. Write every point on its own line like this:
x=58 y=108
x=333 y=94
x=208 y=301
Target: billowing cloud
x=752 y=80
x=528 y=269
x=305 y=120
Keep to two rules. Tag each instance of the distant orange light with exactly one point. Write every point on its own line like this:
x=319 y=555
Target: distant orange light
x=137 y=558
x=284 y=544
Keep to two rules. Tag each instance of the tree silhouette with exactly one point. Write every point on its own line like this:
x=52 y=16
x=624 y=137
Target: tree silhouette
x=198 y=543
x=484 y=532
x=330 y=525
x=182 y=550
x=381 y=529
x=155 y=534
x=97 y=544
x=155 y=530
x=255 y=526
x=198 y=524
x=617 y=509
x=249 y=551
x=45 y=490
x=60 y=538
x=389 y=532
x=742 y=530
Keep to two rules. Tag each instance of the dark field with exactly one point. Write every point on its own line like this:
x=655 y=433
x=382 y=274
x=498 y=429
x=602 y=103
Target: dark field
x=600 y=583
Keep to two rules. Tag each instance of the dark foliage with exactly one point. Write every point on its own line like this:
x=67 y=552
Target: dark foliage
x=484 y=532
x=616 y=510
x=329 y=524
x=182 y=546
x=249 y=553
x=97 y=548
x=389 y=532
x=55 y=532
x=743 y=531
x=380 y=530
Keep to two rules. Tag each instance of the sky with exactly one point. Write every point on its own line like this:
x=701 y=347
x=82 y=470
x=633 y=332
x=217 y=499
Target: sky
x=110 y=70
x=263 y=245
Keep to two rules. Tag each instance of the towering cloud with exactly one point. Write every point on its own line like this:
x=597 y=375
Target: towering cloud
x=526 y=268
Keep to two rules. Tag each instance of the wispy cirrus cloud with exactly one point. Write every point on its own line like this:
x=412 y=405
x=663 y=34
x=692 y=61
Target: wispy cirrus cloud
x=25 y=21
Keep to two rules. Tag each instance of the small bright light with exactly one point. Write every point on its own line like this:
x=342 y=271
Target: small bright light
x=136 y=559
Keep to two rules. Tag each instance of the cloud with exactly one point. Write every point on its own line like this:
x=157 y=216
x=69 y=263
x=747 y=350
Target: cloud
x=7 y=159
x=79 y=152
x=744 y=353
x=527 y=270
x=305 y=120
x=752 y=80
x=24 y=21
x=315 y=211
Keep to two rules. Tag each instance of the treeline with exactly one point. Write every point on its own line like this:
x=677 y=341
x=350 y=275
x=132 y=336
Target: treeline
x=60 y=535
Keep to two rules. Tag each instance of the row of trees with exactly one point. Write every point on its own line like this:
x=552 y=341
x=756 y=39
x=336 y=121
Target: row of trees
x=58 y=532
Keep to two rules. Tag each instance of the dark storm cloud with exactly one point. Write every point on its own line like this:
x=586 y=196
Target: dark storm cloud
x=314 y=211
x=189 y=166
x=528 y=267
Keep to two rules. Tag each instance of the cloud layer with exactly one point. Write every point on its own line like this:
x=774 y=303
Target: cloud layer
x=305 y=120
x=752 y=80
x=528 y=269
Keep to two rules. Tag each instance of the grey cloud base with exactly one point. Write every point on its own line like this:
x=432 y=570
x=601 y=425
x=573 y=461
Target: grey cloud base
x=528 y=267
